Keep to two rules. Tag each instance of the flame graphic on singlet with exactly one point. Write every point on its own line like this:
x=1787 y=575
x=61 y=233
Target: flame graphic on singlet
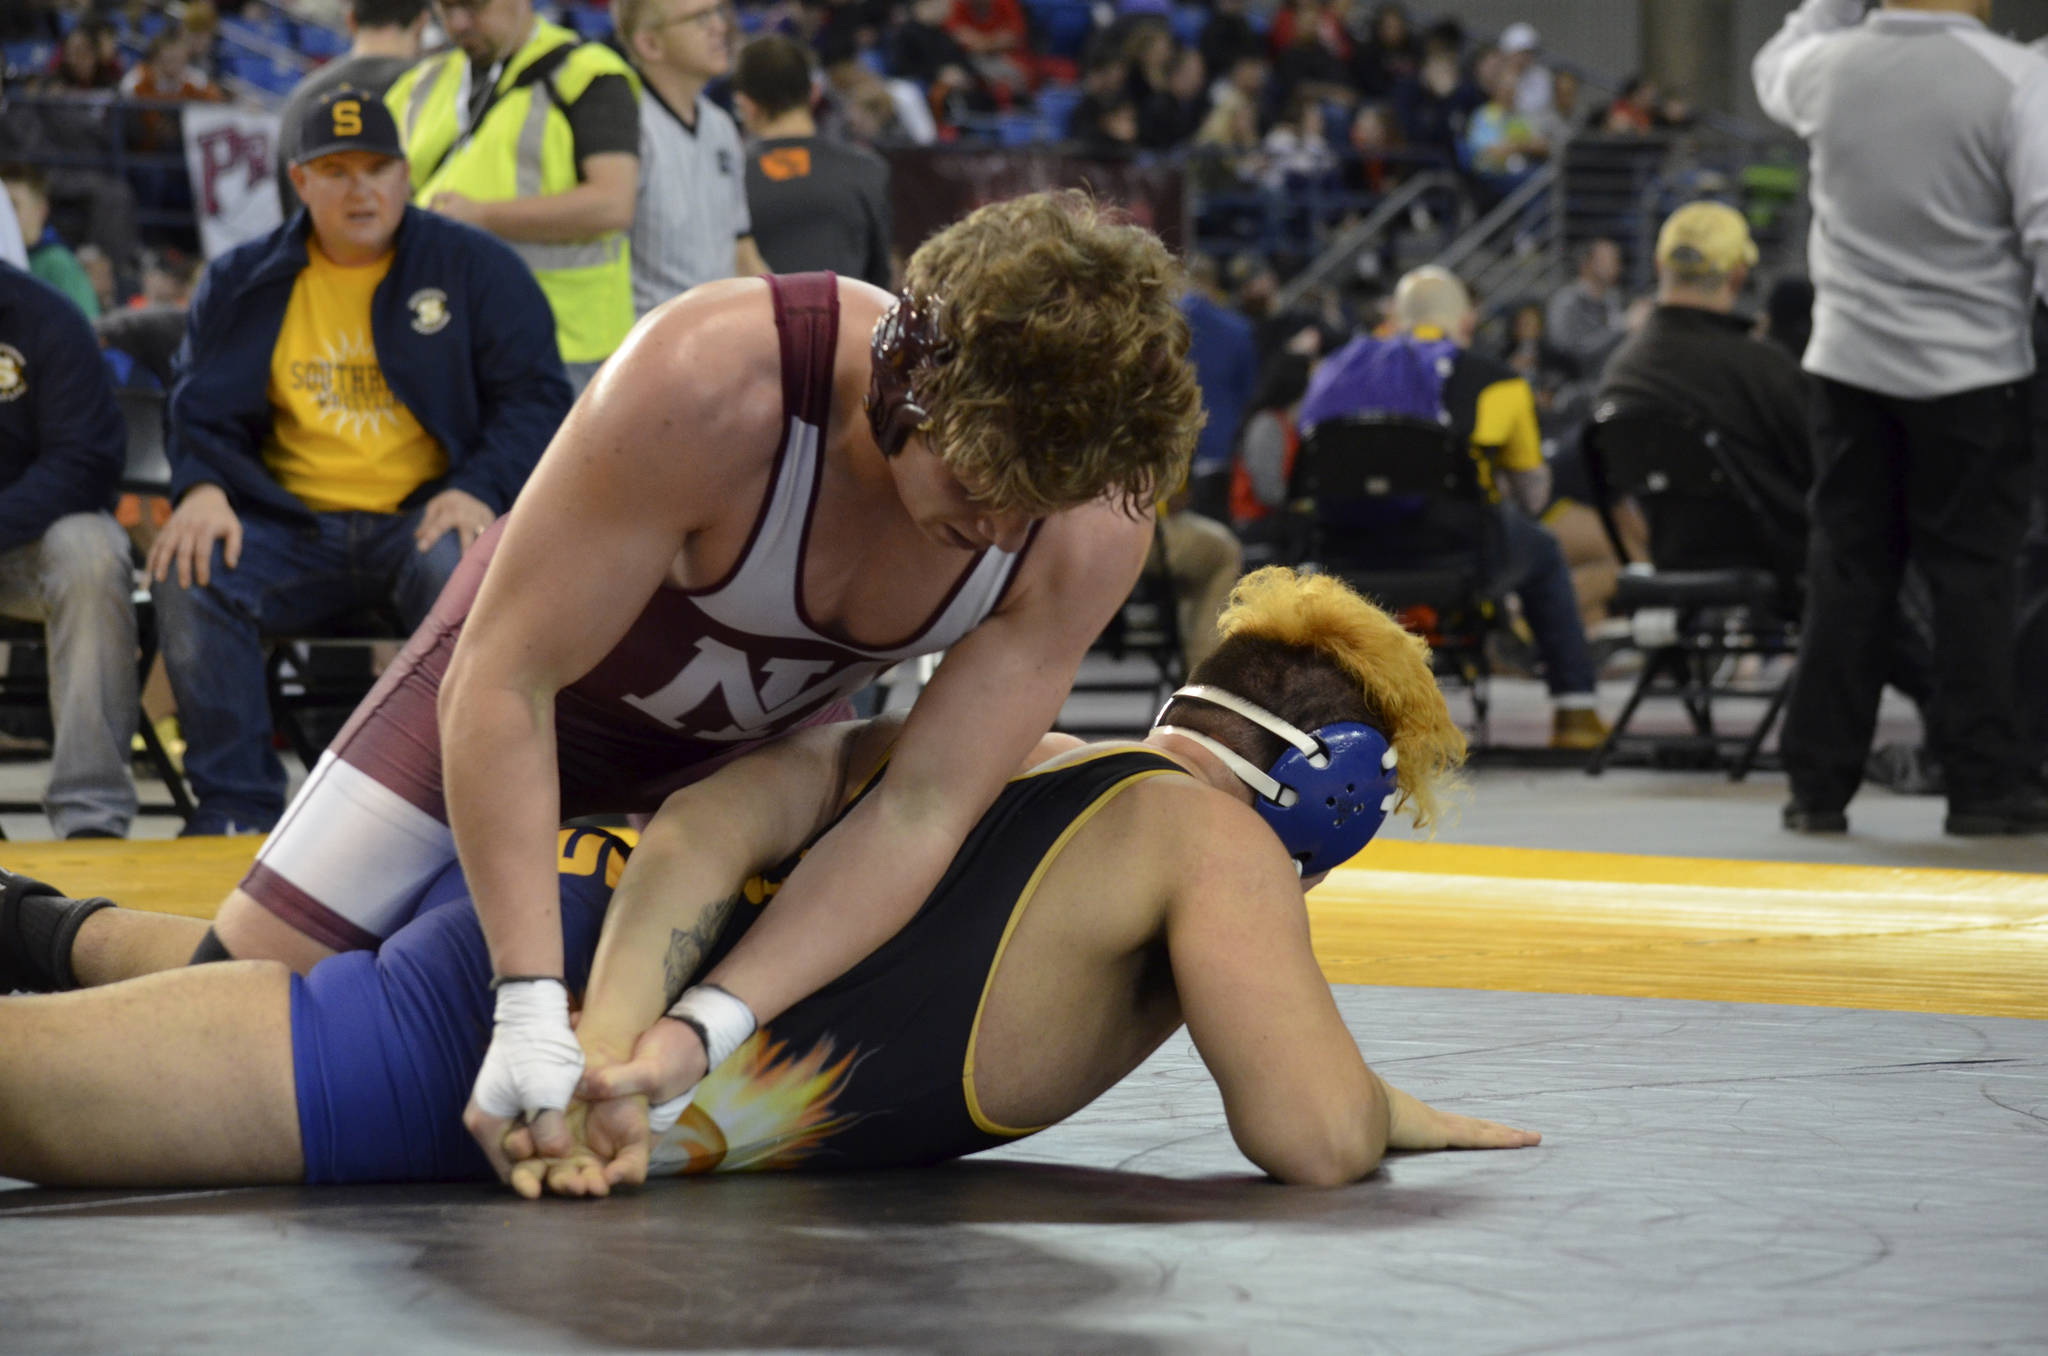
x=760 y=1110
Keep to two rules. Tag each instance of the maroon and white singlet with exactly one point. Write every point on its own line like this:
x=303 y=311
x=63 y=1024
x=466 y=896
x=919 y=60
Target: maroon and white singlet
x=701 y=677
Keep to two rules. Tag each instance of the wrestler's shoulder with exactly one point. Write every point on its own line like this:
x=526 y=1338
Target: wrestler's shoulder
x=730 y=323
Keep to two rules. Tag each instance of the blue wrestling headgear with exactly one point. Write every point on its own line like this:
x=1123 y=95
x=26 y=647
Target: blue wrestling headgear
x=1326 y=796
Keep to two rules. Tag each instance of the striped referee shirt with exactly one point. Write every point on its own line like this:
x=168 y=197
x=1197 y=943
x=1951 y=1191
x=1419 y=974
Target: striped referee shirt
x=692 y=206
x=1930 y=193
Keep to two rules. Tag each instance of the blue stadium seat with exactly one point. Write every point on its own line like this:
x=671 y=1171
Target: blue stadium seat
x=1018 y=129
x=1056 y=104
x=23 y=57
x=1187 y=22
x=591 y=22
x=1064 y=24
x=320 y=42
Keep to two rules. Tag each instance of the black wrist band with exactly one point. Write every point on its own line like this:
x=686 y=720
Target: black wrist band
x=703 y=1036
x=499 y=981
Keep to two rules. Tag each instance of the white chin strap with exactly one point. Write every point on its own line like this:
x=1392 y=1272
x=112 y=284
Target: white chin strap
x=1256 y=778
x=1260 y=782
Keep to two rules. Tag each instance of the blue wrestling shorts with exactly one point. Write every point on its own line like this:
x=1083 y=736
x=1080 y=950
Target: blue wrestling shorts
x=386 y=1044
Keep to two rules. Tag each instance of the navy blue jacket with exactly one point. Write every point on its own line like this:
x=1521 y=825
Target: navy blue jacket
x=476 y=365
x=62 y=441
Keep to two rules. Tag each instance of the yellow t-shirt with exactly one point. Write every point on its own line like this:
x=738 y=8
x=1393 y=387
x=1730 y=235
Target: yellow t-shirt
x=339 y=439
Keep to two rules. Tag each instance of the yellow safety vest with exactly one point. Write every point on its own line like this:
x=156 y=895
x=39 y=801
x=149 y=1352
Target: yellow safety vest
x=522 y=148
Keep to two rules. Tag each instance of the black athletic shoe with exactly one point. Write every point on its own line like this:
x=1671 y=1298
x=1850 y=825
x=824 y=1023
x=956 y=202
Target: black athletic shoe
x=2020 y=812
x=1809 y=819
x=15 y=969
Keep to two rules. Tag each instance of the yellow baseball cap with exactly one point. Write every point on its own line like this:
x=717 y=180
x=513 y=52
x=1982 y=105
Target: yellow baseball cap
x=1703 y=238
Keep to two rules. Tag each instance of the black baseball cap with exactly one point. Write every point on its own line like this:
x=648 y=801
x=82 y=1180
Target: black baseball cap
x=348 y=119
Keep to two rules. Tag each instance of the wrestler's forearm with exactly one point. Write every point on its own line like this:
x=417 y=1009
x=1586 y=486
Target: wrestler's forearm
x=504 y=805
x=853 y=891
x=675 y=897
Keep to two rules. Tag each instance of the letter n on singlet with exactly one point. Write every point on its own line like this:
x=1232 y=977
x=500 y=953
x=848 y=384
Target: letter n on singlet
x=718 y=667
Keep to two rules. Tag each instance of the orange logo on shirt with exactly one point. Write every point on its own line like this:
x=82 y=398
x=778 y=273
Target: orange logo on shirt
x=787 y=162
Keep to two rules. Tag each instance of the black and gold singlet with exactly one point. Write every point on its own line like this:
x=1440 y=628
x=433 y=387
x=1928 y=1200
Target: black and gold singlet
x=876 y=1069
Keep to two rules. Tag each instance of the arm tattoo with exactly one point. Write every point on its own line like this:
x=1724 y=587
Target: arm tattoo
x=686 y=950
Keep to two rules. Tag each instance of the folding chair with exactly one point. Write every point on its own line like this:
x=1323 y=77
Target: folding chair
x=1714 y=591
x=1363 y=478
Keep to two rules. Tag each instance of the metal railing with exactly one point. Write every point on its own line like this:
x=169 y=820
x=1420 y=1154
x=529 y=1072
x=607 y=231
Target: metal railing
x=1368 y=233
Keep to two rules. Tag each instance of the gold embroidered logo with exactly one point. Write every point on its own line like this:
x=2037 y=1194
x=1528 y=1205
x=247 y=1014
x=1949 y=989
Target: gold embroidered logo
x=348 y=118
x=13 y=373
x=429 y=310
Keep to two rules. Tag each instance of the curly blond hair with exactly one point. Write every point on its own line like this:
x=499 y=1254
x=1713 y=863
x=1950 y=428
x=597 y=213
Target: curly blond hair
x=1312 y=651
x=1069 y=380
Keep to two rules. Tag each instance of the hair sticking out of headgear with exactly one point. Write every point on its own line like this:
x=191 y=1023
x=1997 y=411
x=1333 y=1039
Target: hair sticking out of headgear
x=1281 y=628
x=906 y=339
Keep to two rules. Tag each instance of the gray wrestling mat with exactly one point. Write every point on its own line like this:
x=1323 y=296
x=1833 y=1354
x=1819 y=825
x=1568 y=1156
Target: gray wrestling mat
x=1714 y=1178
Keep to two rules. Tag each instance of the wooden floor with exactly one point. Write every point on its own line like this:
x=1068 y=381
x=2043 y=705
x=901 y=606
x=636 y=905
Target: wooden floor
x=1451 y=916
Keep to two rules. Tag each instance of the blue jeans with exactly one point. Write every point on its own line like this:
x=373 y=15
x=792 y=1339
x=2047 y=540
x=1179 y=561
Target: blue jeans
x=1533 y=569
x=290 y=580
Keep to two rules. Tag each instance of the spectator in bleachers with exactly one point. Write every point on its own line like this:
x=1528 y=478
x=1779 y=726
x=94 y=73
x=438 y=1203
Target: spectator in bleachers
x=1433 y=104
x=359 y=394
x=167 y=72
x=384 y=41
x=1227 y=37
x=1520 y=46
x=1634 y=110
x=49 y=258
x=1586 y=319
x=1226 y=145
x=1223 y=350
x=1105 y=83
x=563 y=200
x=815 y=203
x=64 y=561
x=1390 y=54
x=80 y=64
x=169 y=276
x=1427 y=363
x=1502 y=149
x=995 y=35
x=1557 y=123
x=1311 y=55
x=1263 y=464
x=100 y=276
x=924 y=53
x=866 y=109
x=1297 y=153
x=1373 y=136
x=1172 y=116
x=691 y=224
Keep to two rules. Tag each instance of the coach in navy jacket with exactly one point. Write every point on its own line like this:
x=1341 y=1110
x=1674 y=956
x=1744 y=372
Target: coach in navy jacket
x=488 y=383
x=359 y=394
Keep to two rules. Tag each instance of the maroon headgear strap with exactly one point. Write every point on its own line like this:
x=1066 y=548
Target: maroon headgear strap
x=906 y=338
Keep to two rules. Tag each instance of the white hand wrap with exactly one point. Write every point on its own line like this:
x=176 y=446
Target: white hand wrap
x=720 y=1020
x=534 y=1061
x=723 y=1023
x=662 y=1116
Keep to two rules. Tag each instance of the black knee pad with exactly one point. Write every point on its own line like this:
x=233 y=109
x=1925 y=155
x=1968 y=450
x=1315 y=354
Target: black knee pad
x=210 y=950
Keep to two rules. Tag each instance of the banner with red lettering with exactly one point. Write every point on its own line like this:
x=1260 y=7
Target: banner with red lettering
x=231 y=154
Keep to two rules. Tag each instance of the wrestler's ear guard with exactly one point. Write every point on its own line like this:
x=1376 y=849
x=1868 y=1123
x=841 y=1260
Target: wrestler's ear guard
x=1327 y=793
